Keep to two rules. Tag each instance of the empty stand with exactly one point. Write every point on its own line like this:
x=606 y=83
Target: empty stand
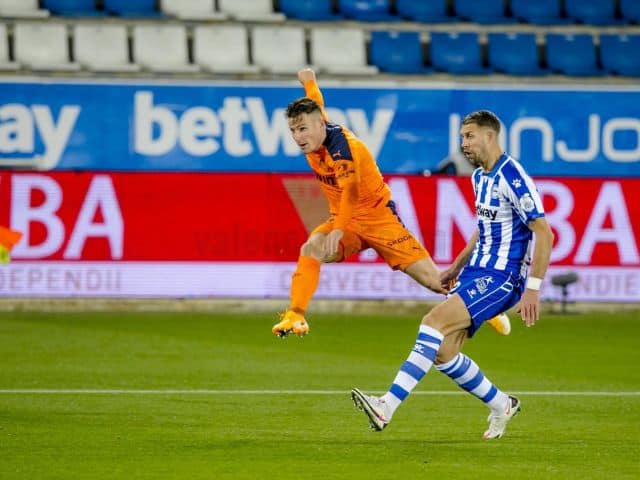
x=5 y=61
x=73 y=7
x=433 y=11
x=43 y=46
x=572 y=54
x=340 y=51
x=540 y=12
x=162 y=48
x=279 y=49
x=22 y=9
x=131 y=8
x=514 y=53
x=367 y=10
x=630 y=10
x=457 y=53
x=309 y=10
x=102 y=47
x=485 y=11
x=192 y=9
x=594 y=12
x=222 y=49
x=251 y=10
x=397 y=52
x=619 y=54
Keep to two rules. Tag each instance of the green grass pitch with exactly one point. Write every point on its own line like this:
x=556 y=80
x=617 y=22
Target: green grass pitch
x=148 y=422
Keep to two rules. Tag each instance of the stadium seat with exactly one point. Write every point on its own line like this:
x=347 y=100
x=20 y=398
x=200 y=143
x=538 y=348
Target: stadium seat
x=43 y=46
x=162 y=48
x=279 y=49
x=367 y=10
x=433 y=11
x=540 y=12
x=73 y=7
x=397 y=52
x=593 y=12
x=132 y=8
x=514 y=53
x=309 y=10
x=572 y=54
x=5 y=62
x=251 y=10
x=457 y=53
x=328 y=51
x=630 y=10
x=486 y=11
x=192 y=9
x=619 y=54
x=222 y=49
x=22 y=9
x=102 y=47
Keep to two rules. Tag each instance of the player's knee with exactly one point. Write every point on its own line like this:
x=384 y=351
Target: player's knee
x=436 y=321
x=311 y=249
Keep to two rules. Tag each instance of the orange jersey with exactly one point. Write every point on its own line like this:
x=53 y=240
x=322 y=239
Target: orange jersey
x=344 y=162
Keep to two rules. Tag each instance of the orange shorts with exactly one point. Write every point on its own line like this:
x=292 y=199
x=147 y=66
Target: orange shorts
x=384 y=232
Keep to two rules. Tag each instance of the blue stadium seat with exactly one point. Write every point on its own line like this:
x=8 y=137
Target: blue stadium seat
x=367 y=10
x=540 y=12
x=309 y=10
x=486 y=11
x=457 y=53
x=619 y=54
x=593 y=12
x=572 y=54
x=514 y=53
x=397 y=52
x=432 y=11
x=72 y=7
x=630 y=10
x=132 y=8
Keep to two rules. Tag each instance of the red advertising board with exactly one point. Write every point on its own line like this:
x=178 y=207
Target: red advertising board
x=233 y=220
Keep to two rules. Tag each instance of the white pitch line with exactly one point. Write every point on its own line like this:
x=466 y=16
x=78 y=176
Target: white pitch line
x=84 y=391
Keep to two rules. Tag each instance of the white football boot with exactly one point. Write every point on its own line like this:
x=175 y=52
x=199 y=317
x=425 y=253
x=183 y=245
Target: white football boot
x=498 y=423
x=376 y=410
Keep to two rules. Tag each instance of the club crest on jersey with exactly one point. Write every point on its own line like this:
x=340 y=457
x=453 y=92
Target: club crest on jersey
x=483 y=283
x=527 y=203
x=495 y=192
x=490 y=213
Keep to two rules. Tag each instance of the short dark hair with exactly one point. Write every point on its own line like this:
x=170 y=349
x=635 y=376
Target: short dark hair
x=302 y=105
x=483 y=118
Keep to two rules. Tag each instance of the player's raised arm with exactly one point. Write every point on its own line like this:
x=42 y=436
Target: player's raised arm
x=307 y=78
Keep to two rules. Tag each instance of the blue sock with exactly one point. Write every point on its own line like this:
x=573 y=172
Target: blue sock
x=466 y=373
x=415 y=367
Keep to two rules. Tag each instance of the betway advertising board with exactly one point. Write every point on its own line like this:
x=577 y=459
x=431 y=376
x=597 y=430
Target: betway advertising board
x=58 y=125
x=238 y=235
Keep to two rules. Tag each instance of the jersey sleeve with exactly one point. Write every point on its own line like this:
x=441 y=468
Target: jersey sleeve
x=312 y=90
x=522 y=194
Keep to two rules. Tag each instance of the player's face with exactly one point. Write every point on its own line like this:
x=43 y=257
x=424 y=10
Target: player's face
x=475 y=143
x=308 y=130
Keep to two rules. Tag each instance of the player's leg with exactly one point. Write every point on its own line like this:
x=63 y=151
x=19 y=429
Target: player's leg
x=446 y=318
x=304 y=280
x=484 y=293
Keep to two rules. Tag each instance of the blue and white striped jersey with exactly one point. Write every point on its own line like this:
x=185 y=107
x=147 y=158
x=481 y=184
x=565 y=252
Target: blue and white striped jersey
x=506 y=201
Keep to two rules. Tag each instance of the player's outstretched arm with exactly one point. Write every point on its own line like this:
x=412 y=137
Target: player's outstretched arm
x=530 y=301
x=452 y=272
x=306 y=75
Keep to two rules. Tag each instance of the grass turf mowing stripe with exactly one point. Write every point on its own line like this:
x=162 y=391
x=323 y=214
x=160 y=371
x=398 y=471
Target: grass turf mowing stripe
x=54 y=391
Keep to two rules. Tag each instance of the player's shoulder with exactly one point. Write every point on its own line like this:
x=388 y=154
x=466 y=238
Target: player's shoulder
x=338 y=141
x=511 y=169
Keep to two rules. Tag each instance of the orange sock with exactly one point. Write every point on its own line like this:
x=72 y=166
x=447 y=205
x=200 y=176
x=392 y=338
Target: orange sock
x=304 y=283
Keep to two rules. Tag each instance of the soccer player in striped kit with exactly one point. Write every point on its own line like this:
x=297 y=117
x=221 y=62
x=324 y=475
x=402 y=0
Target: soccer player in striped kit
x=492 y=277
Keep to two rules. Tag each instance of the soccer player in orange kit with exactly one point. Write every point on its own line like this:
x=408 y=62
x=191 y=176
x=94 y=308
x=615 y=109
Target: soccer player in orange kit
x=362 y=214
